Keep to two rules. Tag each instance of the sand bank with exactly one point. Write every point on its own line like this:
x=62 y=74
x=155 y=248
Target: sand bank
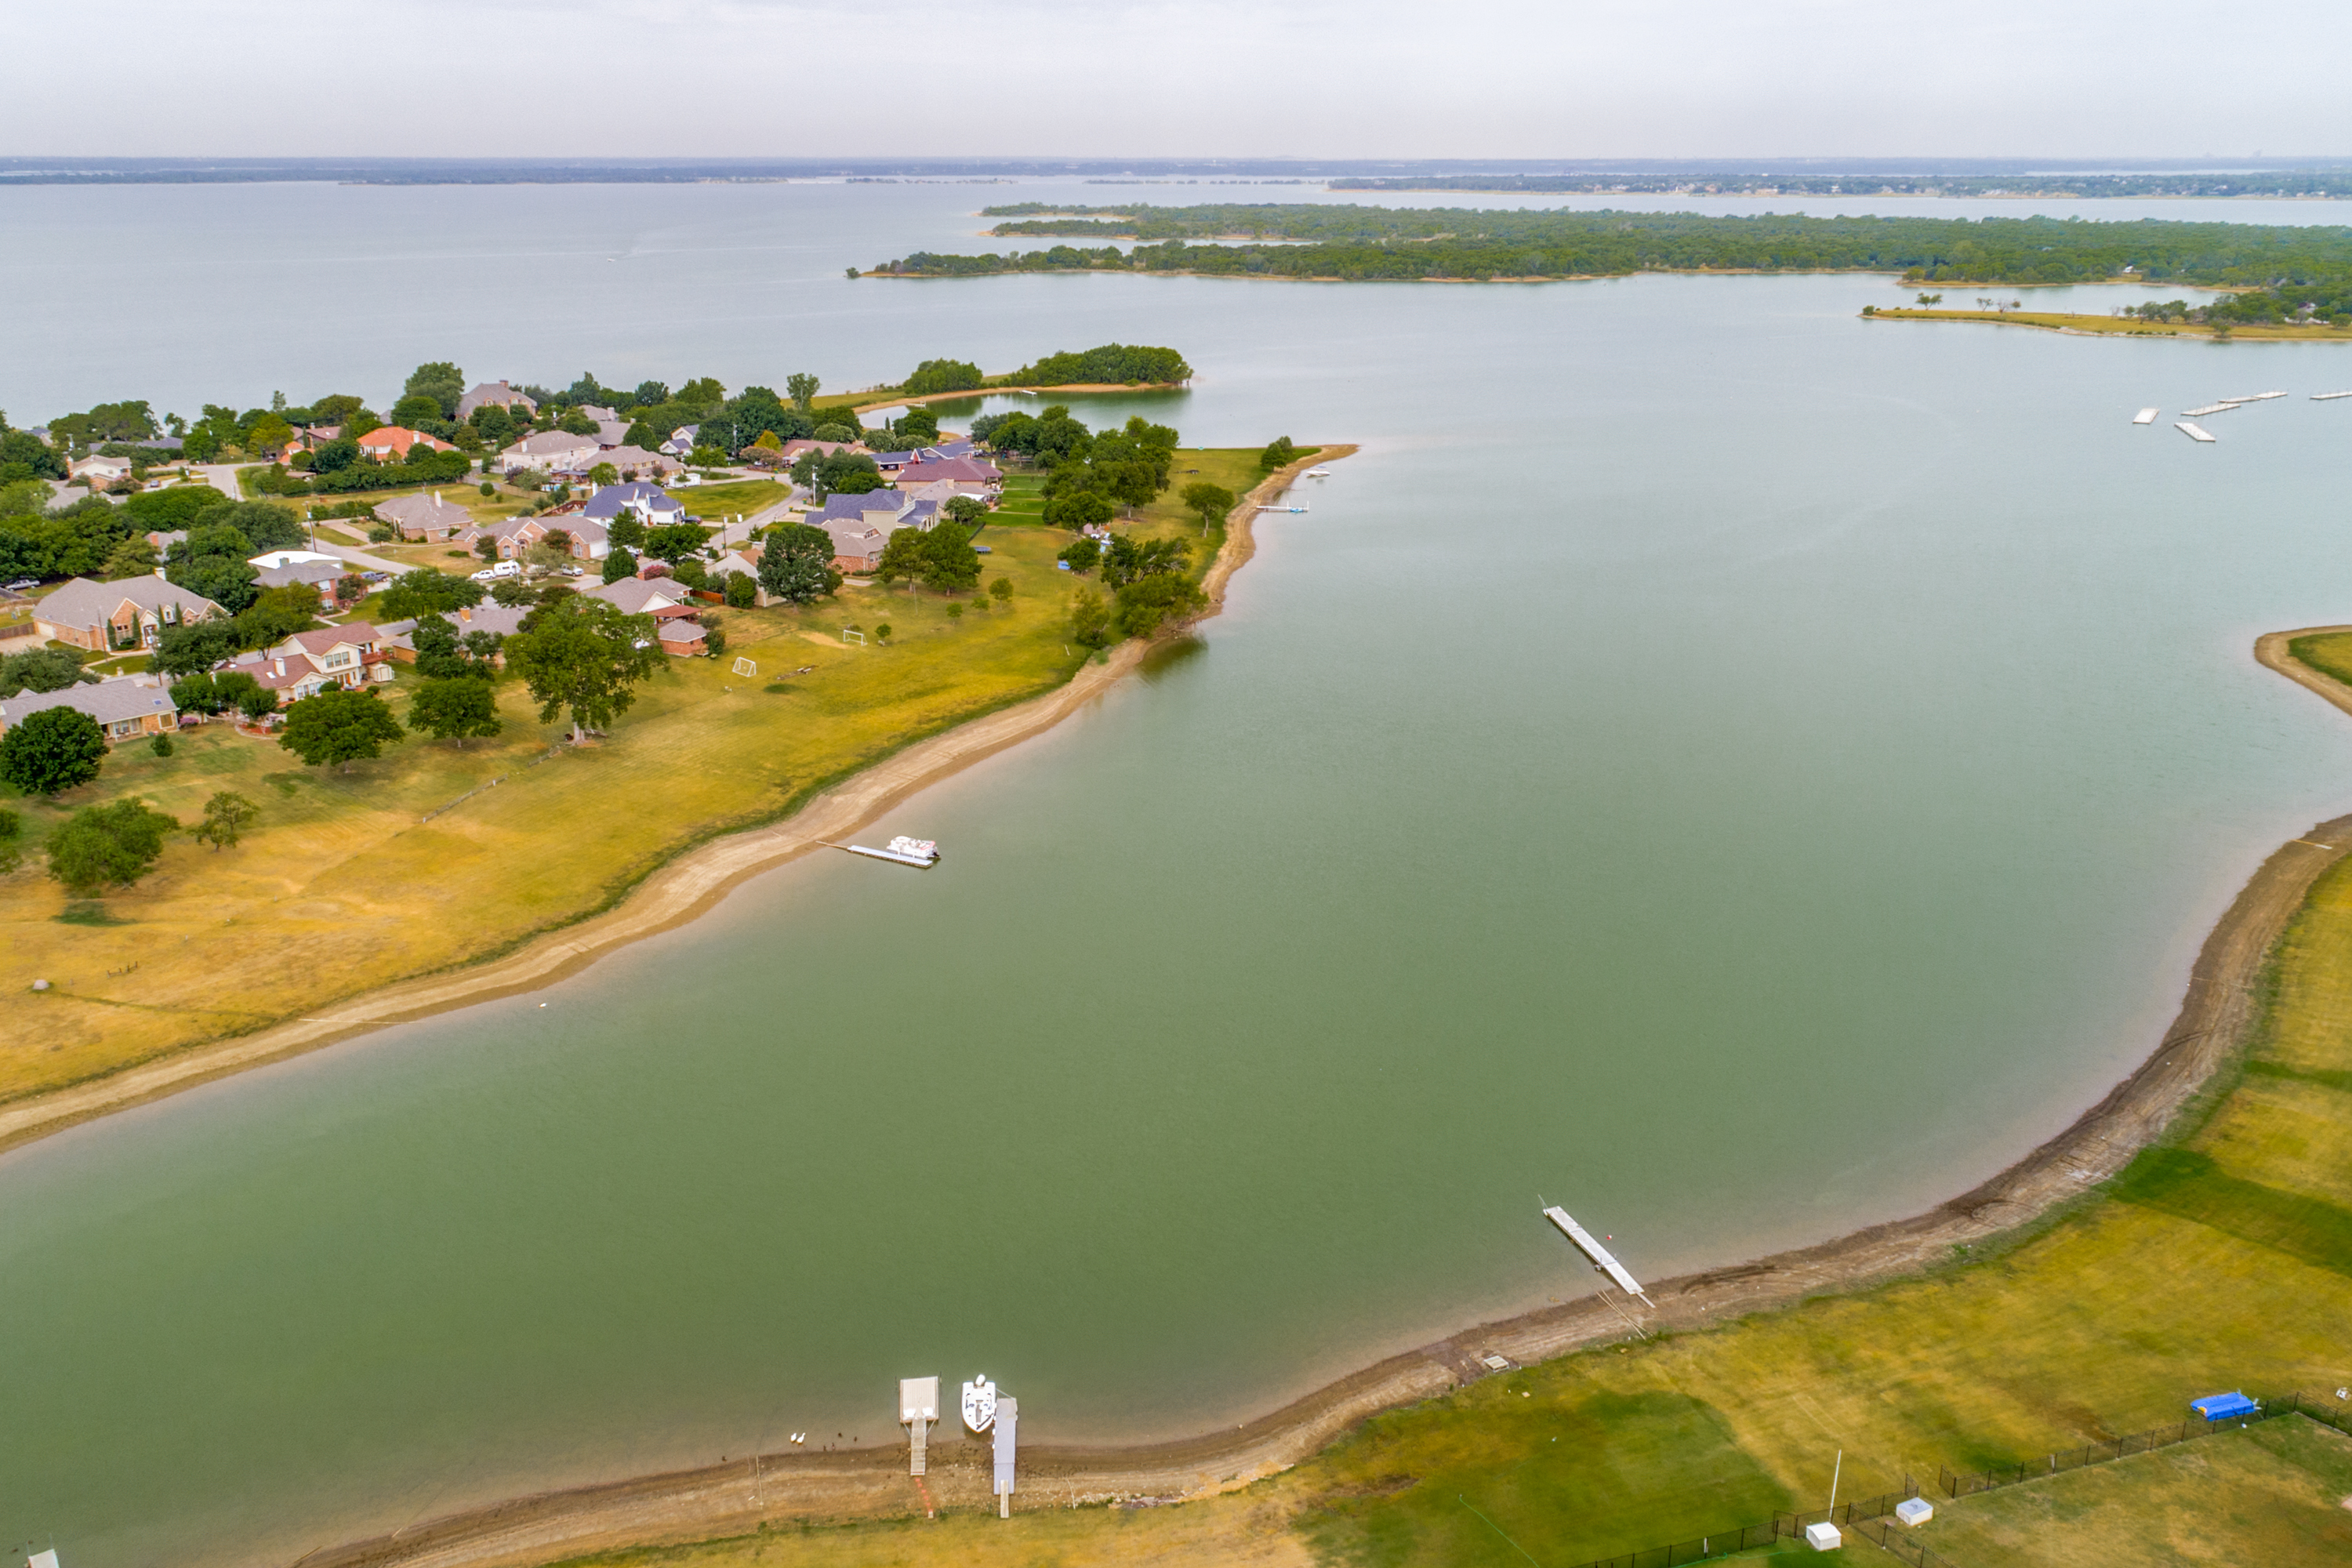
x=2217 y=1016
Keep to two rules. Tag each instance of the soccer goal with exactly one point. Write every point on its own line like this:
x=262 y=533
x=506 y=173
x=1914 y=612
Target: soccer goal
x=747 y=667
x=851 y=634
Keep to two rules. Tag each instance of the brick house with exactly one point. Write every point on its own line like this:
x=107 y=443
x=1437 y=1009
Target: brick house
x=99 y=616
x=125 y=709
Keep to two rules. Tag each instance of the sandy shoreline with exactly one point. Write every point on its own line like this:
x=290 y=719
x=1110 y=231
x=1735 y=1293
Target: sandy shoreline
x=2218 y=1013
x=677 y=893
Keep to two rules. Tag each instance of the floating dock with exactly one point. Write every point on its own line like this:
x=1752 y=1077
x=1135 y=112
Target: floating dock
x=1008 y=1431
x=2194 y=432
x=2209 y=408
x=2253 y=397
x=1602 y=1258
x=2146 y=416
x=2328 y=396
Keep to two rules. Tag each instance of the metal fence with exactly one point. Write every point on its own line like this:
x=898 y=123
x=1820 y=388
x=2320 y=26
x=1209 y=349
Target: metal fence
x=1898 y=1543
x=1860 y=1515
x=2328 y=1413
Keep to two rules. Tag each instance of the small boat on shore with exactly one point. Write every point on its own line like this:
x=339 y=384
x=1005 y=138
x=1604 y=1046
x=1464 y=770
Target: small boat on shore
x=920 y=853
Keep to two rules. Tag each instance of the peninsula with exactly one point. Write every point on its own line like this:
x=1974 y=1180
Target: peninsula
x=2276 y=273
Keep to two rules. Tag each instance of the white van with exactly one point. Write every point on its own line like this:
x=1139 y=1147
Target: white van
x=503 y=569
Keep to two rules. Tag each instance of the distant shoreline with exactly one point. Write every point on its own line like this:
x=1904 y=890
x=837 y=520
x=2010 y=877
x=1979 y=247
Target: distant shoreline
x=2086 y=326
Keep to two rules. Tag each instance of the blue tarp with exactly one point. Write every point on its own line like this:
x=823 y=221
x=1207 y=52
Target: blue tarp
x=2221 y=1406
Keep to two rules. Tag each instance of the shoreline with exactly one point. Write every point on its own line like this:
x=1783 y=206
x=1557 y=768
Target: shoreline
x=679 y=891
x=2078 y=325
x=1080 y=388
x=2219 y=1009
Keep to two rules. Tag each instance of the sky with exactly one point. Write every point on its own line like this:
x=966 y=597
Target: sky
x=1381 y=79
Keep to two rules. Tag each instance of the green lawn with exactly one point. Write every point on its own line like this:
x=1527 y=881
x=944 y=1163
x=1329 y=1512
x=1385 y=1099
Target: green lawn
x=2273 y=1493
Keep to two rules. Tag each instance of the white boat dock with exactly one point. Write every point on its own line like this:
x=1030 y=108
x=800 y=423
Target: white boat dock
x=2328 y=396
x=2209 y=408
x=2254 y=397
x=2194 y=432
x=2146 y=416
x=1602 y=1259
x=919 y=853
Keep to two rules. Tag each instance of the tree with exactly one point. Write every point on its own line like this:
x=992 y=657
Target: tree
x=257 y=704
x=584 y=654
x=801 y=386
x=742 y=590
x=619 y=562
x=108 y=845
x=226 y=817
x=1278 y=451
x=38 y=670
x=902 y=556
x=1128 y=559
x=604 y=474
x=416 y=409
x=54 y=748
x=267 y=437
x=1078 y=509
x=918 y=427
x=443 y=654
x=426 y=592
x=194 y=646
x=455 y=710
x=339 y=726
x=215 y=694
x=1090 y=619
x=796 y=564
x=486 y=547
x=1000 y=590
x=627 y=529
x=134 y=557
x=674 y=541
x=1206 y=502
x=1146 y=602
x=949 y=563
x=277 y=614
x=439 y=380
x=1082 y=556
x=12 y=842
x=935 y=375
x=968 y=510
x=575 y=422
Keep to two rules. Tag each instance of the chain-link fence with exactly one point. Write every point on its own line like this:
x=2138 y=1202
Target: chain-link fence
x=2329 y=1412
x=1747 y=1537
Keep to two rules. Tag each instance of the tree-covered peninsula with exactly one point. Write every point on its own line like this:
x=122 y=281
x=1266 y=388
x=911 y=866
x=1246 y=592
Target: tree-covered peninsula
x=2280 y=272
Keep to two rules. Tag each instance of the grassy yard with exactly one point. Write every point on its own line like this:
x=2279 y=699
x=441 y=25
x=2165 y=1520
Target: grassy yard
x=2273 y=1494
x=2223 y=1261
x=345 y=886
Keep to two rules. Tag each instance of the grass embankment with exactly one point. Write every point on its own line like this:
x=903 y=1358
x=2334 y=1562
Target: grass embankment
x=2221 y=1259
x=342 y=887
x=2119 y=326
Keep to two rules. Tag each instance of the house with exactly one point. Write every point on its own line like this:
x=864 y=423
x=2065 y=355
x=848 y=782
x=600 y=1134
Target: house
x=681 y=440
x=424 y=517
x=857 y=545
x=493 y=395
x=557 y=451
x=634 y=461
x=393 y=443
x=310 y=438
x=970 y=476
x=160 y=542
x=308 y=662
x=499 y=620
x=129 y=613
x=322 y=573
x=99 y=472
x=124 y=708
x=681 y=639
x=745 y=561
x=649 y=504
x=884 y=508
x=660 y=598
x=794 y=451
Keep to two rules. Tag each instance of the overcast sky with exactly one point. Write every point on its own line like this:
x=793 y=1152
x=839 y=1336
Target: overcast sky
x=1154 y=77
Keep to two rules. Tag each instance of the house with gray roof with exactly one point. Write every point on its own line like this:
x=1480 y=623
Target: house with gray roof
x=123 y=709
x=493 y=395
x=648 y=503
x=133 y=613
x=663 y=598
x=424 y=516
x=557 y=451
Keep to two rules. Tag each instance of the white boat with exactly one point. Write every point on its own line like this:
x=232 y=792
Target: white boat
x=902 y=851
x=2195 y=433
x=1318 y=473
x=979 y=1405
x=2146 y=416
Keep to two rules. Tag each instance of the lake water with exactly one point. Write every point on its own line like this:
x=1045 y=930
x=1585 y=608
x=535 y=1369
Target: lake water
x=1733 y=769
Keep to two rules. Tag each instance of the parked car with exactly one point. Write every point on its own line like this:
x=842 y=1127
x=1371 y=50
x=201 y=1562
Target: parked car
x=24 y=582
x=503 y=569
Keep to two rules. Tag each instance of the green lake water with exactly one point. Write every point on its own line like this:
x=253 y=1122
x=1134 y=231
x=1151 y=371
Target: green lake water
x=1734 y=770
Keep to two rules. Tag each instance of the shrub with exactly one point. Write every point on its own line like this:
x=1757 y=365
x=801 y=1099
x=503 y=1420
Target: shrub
x=161 y=745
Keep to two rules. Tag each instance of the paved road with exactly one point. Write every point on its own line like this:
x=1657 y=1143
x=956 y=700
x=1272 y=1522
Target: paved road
x=222 y=477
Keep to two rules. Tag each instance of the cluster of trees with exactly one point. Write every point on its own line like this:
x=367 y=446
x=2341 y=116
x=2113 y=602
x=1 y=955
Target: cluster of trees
x=1046 y=438
x=1124 y=363
x=2298 y=264
x=1115 y=469
x=2277 y=183
x=796 y=565
x=916 y=427
x=937 y=375
x=25 y=456
x=113 y=846
x=1151 y=581
x=40 y=669
x=212 y=559
x=837 y=473
x=940 y=558
x=339 y=468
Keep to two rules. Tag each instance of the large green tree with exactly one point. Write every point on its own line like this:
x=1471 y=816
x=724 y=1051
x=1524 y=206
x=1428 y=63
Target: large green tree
x=456 y=710
x=339 y=726
x=194 y=646
x=801 y=388
x=796 y=564
x=949 y=563
x=1208 y=502
x=441 y=381
x=108 y=845
x=38 y=670
x=226 y=817
x=424 y=592
x=902 y=556
x=584 y=656
x=52 y=750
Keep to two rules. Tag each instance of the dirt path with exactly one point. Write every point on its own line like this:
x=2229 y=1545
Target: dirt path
x=2217 y=1015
